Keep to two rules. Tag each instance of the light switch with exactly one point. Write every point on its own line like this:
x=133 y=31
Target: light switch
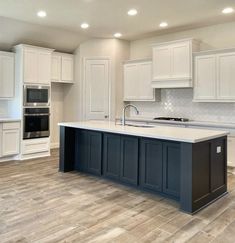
x=218 y=149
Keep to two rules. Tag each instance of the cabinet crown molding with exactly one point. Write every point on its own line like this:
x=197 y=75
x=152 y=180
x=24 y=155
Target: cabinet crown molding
x=214 y=51
x=149 y=59
x=195 y=41
x=23 y=46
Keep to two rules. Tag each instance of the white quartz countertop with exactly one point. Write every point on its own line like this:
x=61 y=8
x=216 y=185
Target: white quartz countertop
x=9 y=119
x=179 y=134
x=208 y=124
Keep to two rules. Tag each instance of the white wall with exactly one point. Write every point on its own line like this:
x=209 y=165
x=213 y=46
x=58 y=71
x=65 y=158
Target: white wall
x=178 y=102
x=117 y=51
x=57 y=112
x=3 y=108
x=14 y=32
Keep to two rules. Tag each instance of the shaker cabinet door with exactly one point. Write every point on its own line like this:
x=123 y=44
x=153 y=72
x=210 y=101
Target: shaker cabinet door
x=30 y=66
x=205 y=78
x=225 y=76
x=67 y=69
x=111 y=155
x=129 y=160
x=161 y=63
x=151 y=164
x=7 y=82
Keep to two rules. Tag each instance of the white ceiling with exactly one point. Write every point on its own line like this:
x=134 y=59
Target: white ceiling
x=109 y=16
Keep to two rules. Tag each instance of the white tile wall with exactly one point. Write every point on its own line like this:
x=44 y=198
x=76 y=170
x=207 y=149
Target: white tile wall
x=178 y=103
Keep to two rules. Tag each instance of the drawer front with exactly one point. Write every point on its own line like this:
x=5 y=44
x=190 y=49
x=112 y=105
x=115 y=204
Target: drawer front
x=11 y=125
x=35 y=146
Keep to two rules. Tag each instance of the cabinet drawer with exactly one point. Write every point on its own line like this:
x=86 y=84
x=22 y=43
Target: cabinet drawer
x=11 y=125
x=35 y=146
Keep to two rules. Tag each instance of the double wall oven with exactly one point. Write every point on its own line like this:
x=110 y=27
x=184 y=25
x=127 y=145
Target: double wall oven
x=36 y=111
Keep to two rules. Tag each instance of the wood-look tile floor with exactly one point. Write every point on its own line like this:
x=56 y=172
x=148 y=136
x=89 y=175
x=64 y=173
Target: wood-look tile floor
x=39 y=204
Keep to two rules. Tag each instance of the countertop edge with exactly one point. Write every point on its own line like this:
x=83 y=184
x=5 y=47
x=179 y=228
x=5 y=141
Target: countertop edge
x=143 y=135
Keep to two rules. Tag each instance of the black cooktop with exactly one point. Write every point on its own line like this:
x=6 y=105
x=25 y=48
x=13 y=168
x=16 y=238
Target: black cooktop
x=171 y=119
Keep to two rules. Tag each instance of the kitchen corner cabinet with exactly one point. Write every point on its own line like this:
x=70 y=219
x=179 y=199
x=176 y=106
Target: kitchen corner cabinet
x=35 y=63
x=62 y=68
x=137 y=81
x=214 y=76
x=172 y=64
x=9 y=138
x=7 y=82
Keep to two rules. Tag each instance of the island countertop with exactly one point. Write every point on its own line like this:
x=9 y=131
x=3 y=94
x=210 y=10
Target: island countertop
x=179 y=134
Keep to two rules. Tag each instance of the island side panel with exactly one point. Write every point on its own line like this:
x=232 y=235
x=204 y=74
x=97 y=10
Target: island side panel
x=203 y=173
x=186 y=175
x=67 y=149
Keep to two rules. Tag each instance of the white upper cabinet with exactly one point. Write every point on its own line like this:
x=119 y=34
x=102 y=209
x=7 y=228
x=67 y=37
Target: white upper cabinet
x=44 y=67
x=7 y=82
x=137 y=81
x=172 y=64
x=214 y=76
x=30 y=65
x=55 y=67
x=36 y=64
x=205 y=76
x=62 y=68
x=161 y=63
x=226 y=76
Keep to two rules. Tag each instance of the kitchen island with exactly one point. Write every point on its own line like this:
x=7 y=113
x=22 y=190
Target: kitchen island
x=188 y=165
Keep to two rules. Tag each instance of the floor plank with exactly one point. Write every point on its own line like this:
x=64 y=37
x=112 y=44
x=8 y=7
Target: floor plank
x=39 y=204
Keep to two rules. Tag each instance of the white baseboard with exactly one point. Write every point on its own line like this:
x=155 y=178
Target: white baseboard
x=34 y=156
x=231 y=169
x=54 y=145
x=11 y=158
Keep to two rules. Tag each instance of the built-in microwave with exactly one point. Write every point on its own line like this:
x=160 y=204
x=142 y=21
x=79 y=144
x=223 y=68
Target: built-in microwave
x=36 y=95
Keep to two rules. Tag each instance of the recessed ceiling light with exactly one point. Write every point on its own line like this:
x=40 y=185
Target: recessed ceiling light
x=85 y=25
x=228 y=10
x=132 y=12
x=117 y=35
x=41 y=14
x=163 y=24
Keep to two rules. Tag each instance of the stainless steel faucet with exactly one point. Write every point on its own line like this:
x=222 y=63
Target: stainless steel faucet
x=124 y=113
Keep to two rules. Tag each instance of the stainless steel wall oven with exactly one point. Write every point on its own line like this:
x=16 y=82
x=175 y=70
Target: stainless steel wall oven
x=36 y=123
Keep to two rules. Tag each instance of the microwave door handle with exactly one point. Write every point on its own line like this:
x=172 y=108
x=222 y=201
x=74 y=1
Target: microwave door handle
x=40 y=114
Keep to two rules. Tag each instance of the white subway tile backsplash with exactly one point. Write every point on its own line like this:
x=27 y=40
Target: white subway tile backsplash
x=178 y=103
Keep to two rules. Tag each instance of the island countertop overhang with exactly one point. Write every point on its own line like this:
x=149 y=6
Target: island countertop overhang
x=178 y=134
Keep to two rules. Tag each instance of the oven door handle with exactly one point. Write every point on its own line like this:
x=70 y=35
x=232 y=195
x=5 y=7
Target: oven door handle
x=40 y=114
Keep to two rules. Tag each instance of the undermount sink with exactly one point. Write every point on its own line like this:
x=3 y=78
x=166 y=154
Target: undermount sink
x=138 y=125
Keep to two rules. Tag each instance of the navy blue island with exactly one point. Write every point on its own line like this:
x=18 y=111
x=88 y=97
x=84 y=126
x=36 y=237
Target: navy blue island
x=188 y=165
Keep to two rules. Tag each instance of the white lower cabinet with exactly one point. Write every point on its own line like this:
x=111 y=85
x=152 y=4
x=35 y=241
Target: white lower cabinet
x=231 y=151
x=10 y=139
